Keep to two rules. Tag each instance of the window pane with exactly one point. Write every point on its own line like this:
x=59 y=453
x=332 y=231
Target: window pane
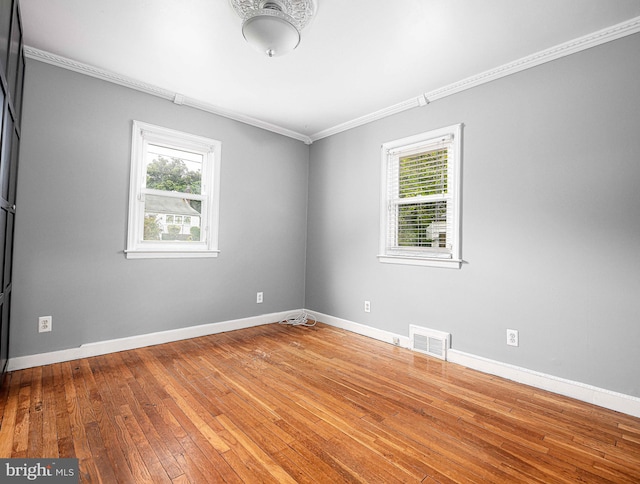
x=423 y=225
x=163 y=219
x=173 y=170
x=423 y=174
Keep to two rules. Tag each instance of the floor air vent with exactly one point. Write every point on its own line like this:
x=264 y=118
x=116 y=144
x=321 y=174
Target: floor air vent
x=429 y=341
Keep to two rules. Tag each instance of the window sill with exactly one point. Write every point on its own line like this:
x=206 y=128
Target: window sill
x=420 y=261
x=166 y=254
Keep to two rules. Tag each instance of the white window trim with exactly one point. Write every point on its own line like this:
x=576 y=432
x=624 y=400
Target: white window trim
x=409 y=144
x=142 y=134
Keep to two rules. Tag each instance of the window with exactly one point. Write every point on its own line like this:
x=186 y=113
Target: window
x=175 y=177
x=420 y=199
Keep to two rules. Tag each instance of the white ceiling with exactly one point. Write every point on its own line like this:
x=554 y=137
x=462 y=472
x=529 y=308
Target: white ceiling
x=356 y=57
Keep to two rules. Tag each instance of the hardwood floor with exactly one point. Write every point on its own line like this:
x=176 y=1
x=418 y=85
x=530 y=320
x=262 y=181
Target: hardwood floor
x=284 y=404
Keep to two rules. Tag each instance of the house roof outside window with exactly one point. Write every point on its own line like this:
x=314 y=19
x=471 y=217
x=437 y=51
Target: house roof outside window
x=169 y=205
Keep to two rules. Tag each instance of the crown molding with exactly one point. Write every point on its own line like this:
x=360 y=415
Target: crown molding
x=594 y=39
x=603 y=36
x=623 y=29
x=368 y=118
x=194 y=103
x=177 y=98
x=63 y=62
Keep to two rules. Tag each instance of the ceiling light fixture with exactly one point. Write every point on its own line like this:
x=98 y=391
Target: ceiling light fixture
x=273 y=26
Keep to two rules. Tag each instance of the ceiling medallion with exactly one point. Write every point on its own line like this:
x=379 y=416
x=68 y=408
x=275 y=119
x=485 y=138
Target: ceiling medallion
x=273 y=26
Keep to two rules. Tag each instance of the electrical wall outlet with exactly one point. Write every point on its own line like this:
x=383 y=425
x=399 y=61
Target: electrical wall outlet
x=512 y=337
x=44 y=324
x=367 y=306
x=259 y=298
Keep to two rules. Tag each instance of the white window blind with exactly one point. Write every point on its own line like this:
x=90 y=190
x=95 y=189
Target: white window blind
x=421 y=197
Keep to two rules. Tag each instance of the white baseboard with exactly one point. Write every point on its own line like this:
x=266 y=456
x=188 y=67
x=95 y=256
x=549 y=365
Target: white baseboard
x=364 y=330
x=112 y=346
x=580 y=391
x=619 y=402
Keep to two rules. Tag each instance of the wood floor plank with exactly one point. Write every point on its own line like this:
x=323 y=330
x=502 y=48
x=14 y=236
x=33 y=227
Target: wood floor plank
x=70 y=411
x=262 y=456
x=23 y=419
x=202 y=454
x=141 y=443
x=36 y=438
x=46 y=408
x=57 y=417
x=277 y=404
x=9 y=411
x=137 y=464
x=162 y=433
x=301 y=469
x=5 y=383
x=146 y=434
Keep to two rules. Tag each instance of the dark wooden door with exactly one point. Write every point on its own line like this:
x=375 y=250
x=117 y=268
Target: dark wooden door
x=12 y=67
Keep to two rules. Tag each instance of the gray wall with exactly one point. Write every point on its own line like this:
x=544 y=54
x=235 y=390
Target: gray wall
x=551 y=222
x=551 y=233
x=72 y=220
